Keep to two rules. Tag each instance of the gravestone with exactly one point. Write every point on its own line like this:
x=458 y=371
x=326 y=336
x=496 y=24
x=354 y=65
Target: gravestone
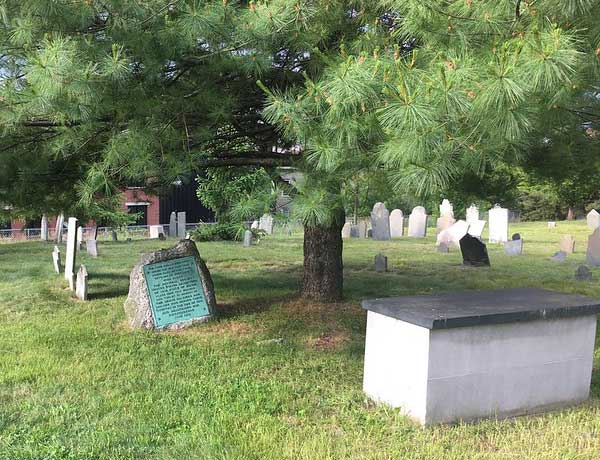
x=567 y=244
x=443 y=248
x=515 y=236
x=91 y=246
x=593 y=249
x=113 y=235
x=44 y=229
x=498 y=224
x=255 y=225
x=93 y=235
x=155 y=230
x=593 y=219
x=346 y=229
x=444 y=223
x=551 y=224
x=476 y=228
x=362 y=229
x=380 y=222
x=181 y=223
x=81 y=290
x=71 y=252
x=56 y=260
x=559 y=256
x=162 y=237
x=170 y=289
x=266 y=223
x=474 y=252
x=79 y=237
x=247 y=239
x=452 y=236
x=173 y=225
x=514 y=247
x=417 y=222
x=396 y=223
x=446 y=208
x=58 y=230
x=472 y=214
x=381 y=263
x=583 y=273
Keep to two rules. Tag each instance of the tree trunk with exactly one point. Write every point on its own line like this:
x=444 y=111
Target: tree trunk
x=323 y=267
x=571 y=214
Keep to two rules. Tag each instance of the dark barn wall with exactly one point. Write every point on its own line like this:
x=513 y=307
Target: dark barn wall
x=183 y=198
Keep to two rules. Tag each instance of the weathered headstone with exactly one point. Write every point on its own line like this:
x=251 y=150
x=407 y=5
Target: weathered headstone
x=417 y=222
x=181 y=223
x=255 y=225
x=551 y=224
x=593 y=219
x=396 y=223
x=559 y=256
x=362 y=229
x=113 y=235
x=346 y=230
x=476 y=228
x=474 y=251
x=472 y=216
x=93 y=233
x=81 y=290
x=170 y=289
x=443 y=248
x=583 y=273
x=452 y=236
x=498 y=225
x=79 y=237
x=444 y=223
x=173 y=225
x=58 y=231
x=381 y=263
x=380 y=222
x=593 y=249
x=44 y=229
x=266 y=223
x=155 y=230
x=515 y=236
x=91 y=247
x=567 y=244
x=71 y=252
x=513 y=247
x=56 y=260
x=247 y=238
x=446 y=208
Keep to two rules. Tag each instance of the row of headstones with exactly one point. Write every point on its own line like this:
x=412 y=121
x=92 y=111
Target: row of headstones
x=386 y=225
x=265 y=223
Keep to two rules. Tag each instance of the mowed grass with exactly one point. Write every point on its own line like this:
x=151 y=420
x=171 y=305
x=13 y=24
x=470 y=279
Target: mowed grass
x=273 y=378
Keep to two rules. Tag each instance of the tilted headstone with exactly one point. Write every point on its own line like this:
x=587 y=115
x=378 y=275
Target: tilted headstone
x=380 y=222
x=498 y=225
x=181 y=223
x=446 y=208
x=513 y=247
x=79 y=237
x=396 y=223
x=452 y=236
x=593 y=219
x=567 y=244
x=56 y=260
x=551 y=224
x=81 y=290
x=381 y=263
x=474 y=251
x=91 y=247
x=266 y=223
x=583 y=273
x=559 y=256
x=170 y=289
x=155 y=230
x=346 y=230
x=173 y=225
x=247 y=238
x=593 y=249
x=44 y=229
x=472 y=216
x=58 y=231
x=444 y=223
x=476 y=228
x=71 y=252
x=417 y=222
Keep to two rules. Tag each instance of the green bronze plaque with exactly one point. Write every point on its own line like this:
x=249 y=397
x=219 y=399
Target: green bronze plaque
x=176 y=292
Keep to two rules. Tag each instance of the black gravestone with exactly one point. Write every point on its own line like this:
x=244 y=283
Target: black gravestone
x=516 y=236
x=474 y=251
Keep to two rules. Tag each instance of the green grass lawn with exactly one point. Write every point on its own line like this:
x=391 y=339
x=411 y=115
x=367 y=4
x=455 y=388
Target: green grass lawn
x=273 y=378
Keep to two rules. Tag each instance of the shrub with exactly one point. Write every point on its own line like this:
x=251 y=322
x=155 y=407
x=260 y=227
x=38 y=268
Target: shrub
x=223 y=232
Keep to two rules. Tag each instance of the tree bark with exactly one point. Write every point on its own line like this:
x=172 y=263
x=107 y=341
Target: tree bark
x=571 y=214
x=323 y=268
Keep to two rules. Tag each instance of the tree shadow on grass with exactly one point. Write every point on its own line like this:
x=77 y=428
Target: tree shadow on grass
x=108 y=285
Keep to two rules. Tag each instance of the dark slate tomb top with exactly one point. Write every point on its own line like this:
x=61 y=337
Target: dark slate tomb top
x=478 y=308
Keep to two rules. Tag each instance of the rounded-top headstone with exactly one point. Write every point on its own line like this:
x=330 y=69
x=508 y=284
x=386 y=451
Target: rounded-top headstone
x=380 y=222
x=516 y=236
x=170 y=289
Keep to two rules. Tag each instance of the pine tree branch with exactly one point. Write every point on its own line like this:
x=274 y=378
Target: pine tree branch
x=249 y=159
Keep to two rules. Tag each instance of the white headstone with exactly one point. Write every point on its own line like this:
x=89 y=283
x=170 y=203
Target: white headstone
x=444 y=223
x=593 y=219
x=173 y=225
x=44 y=229
x=380 y=222
x=476 y=228
x=81 y=290
x=91 y=247
x=498 y=225
x=255 y=225
x=446 y=208
x=396 y=223
x=266 y=223
x=346 y=230
x=58 y=231
x=71 y=251
x=181 y=223
x=417 y=222
x=56 y=259
x=156 y=230
x=593 y=249
x=551 y=224
x=452 y=235
x=79 y=237
x=472 y=214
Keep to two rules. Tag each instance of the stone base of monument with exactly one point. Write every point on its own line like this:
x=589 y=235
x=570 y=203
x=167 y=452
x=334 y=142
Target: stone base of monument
x=487 y=354
x=170 y=289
